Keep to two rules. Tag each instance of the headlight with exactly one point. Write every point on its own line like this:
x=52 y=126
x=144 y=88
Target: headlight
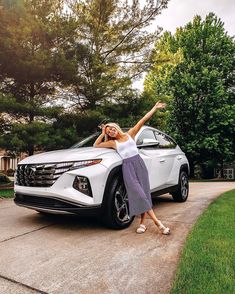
x=77 y=164
x=84 y=163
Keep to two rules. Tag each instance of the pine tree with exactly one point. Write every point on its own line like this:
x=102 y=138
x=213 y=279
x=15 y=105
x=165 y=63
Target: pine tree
x=111 y=47
x=30 y=32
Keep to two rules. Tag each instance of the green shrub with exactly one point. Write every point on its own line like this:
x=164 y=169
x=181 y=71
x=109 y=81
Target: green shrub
x=4 y=179
x=10 y=172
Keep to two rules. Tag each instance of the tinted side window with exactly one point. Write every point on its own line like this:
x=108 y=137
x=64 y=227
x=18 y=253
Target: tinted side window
x=146 y=134
x=164 y=140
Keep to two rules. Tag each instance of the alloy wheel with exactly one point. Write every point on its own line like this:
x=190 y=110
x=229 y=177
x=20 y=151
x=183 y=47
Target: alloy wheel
x=121 y=204
x=184 y=186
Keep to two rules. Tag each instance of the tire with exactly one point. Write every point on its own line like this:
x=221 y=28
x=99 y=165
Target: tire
x=181 y=195
x=117 y=208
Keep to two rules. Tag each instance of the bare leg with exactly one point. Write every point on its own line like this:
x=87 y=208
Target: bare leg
x=143 y=216
x=153 y=217
x=157 y=222
x=142 y=228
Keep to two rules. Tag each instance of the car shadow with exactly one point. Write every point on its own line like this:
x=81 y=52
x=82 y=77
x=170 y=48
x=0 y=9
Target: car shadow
x=161 y=199
x=87 y=222
x=94 y=222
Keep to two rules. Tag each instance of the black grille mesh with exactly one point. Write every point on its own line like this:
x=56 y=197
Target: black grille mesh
x=44 y=202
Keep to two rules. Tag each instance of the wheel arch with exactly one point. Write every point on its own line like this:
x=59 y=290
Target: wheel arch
x=177 y=195
x=115 y=172
x=184 y=167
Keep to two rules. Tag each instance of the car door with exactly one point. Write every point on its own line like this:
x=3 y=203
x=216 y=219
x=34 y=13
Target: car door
x=157 y=156
x=169 y=154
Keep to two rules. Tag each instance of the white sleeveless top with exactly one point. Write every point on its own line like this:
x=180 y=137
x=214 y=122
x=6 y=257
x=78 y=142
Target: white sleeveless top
x=127 y=149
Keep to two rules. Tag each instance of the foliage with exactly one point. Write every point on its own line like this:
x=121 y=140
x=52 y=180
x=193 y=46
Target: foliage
x=201 y=89
x=125 y=112
x=164 y=58
x=156 y=84
x=111 y=47
x=4 y=179
x=42 y=136
x=29 y=34
x=27 y=41
x=87 y=52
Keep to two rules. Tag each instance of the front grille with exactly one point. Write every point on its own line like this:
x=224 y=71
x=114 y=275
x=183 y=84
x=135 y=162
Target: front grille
x=40 y=175
x=44 y=202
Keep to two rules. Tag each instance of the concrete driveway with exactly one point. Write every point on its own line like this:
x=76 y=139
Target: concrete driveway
x=67 y=254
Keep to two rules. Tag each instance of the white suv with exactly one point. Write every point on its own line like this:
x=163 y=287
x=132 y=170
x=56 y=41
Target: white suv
x=86 y=180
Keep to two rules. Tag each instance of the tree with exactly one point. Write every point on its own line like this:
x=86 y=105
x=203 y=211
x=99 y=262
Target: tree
x=111 y=48
x=201 y=90
x=41 y=135
x=156 y=83
x=30 y=32
x=92 y=49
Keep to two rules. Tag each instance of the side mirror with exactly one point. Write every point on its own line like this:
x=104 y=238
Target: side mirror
x=150 y=141
x=147 y=143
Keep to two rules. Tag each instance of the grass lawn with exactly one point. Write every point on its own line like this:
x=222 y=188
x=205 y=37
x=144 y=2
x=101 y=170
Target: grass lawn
x=6 y=193
x=207 y=263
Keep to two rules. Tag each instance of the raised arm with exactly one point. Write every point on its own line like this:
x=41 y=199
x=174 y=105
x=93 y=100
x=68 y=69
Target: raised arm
x=99 y=144
x=133 y=131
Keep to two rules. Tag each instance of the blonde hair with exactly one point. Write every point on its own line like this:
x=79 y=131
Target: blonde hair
x=117 y=127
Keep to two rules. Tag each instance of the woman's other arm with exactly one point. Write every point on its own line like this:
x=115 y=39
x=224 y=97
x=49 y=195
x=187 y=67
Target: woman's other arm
x=99 y=144
x=133 y=131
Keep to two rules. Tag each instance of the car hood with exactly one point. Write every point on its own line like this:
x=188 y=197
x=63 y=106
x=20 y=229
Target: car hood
x=74 y=154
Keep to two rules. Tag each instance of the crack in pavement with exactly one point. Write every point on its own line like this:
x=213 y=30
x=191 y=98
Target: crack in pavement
x=11 y=238
x=21 y=284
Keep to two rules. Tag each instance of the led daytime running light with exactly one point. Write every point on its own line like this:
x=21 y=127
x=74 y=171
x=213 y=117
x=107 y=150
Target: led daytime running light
x=84 y=163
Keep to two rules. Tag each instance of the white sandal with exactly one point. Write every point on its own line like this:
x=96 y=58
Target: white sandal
x=163 y=229
x=141 y=229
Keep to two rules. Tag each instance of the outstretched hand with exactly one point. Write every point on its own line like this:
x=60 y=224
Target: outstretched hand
x=160 y=105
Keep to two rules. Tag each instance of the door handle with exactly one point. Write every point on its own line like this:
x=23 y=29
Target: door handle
x=162 y=160
x=179 y=157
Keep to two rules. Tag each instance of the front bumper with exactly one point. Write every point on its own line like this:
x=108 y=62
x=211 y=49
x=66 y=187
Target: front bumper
x=55 y=205
x=62 y=197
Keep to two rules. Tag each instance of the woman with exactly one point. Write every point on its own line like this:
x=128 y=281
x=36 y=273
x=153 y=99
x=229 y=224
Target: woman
x=135 y=174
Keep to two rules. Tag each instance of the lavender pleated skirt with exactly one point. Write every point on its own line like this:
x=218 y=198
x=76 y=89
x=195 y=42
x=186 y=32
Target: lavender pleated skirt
x=136 y=180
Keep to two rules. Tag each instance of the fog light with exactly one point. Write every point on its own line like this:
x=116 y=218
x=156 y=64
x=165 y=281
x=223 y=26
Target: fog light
x=82 y=184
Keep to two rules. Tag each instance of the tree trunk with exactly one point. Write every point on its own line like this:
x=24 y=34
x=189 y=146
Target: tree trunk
x=31 y=150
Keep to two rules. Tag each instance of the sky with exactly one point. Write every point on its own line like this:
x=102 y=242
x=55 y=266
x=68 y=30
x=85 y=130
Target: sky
x=180 y=12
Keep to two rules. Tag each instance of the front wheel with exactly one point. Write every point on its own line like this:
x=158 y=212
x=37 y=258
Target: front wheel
x=181 y=194
x=117 y=208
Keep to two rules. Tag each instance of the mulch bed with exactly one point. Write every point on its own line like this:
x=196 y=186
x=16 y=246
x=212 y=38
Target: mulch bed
x=6 y=187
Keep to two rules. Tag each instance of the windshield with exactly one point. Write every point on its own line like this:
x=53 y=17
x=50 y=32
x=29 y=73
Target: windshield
x=89 y=141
